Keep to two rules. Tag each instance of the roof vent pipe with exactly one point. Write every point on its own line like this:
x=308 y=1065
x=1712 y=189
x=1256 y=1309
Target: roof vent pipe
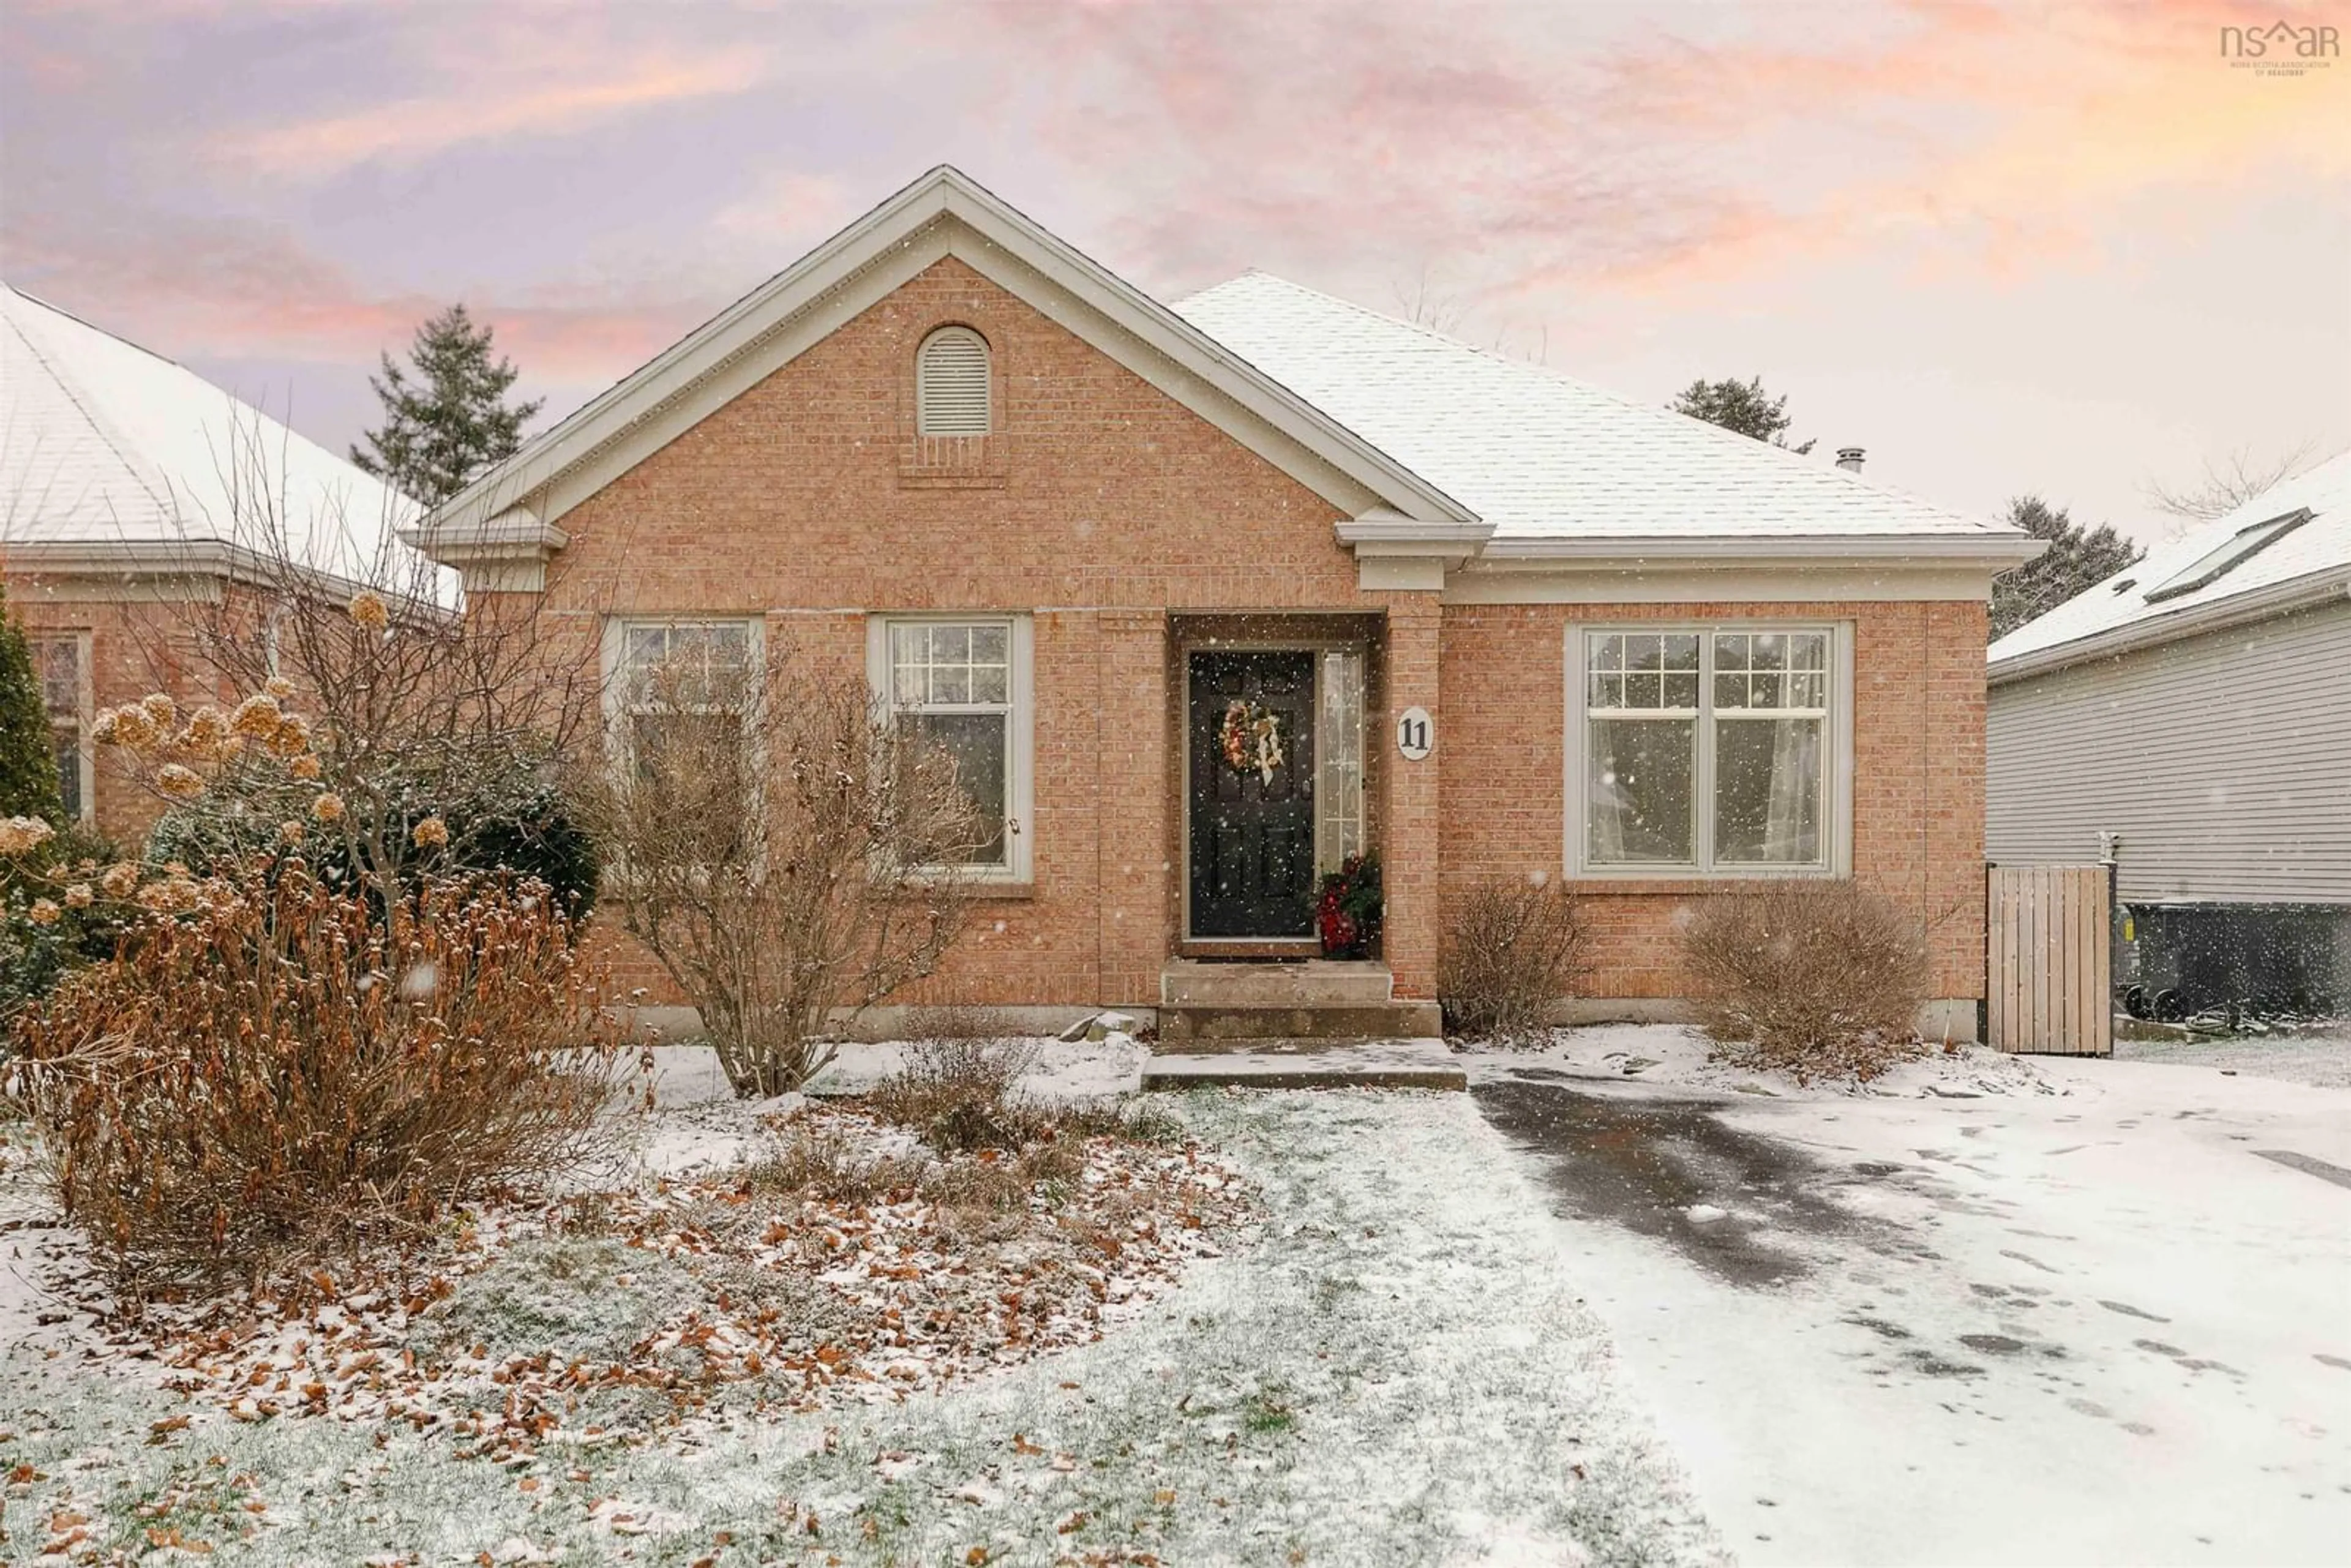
x=1849 y=458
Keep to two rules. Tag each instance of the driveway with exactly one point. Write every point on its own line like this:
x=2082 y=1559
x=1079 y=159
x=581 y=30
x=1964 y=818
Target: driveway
x=2106 y=1319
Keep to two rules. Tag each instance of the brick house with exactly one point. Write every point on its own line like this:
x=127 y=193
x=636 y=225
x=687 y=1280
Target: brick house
x=136 y=496
x=1503 y=624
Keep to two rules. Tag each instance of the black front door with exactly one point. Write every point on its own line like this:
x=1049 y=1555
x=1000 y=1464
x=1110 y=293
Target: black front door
x=1252 y=808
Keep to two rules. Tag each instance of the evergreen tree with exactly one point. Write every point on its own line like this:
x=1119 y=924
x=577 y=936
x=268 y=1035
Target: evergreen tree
x=28 y=754
x=1743 y=407
x=2077 y=558
x=450 y=420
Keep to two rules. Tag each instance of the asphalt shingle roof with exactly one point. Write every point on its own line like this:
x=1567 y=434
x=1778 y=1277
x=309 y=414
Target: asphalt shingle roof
x=1538 y=454
x=103 y=442
x=2321 y=546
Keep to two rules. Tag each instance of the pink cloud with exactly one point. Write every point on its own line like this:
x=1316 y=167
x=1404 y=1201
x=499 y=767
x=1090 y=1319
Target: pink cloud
x=490 y=105
x=219 y=290
x=1574 y=149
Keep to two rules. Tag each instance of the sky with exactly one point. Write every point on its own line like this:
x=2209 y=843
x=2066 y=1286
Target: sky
x=2065 y=248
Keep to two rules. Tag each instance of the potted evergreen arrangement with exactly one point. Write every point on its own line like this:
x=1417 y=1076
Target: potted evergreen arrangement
x=1347 y=912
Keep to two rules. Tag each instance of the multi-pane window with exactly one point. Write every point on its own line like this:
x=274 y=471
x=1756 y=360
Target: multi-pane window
x=62 y=663
x=1706 y=749
x=679 y=681
x=952 y=684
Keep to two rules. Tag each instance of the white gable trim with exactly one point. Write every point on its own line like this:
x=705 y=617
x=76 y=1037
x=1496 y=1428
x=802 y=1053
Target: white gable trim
x=942 y=213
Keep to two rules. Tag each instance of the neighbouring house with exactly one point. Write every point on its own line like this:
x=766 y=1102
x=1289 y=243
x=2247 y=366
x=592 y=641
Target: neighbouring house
x=130 y=488
x=1502 y=624
x=2191 y=716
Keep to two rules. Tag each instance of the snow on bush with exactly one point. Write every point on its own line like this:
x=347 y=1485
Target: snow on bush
x=1515 y=948
x=277 y=1078
x=1813 y=979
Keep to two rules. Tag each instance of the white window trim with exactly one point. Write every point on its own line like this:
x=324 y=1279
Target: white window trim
x=614 y=661
x=1339 y=772
x=1019 y=784
x=1837 y=825
x=86 y=715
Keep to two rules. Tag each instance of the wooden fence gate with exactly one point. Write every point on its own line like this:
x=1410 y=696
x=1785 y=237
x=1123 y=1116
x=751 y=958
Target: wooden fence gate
x=2049 y=956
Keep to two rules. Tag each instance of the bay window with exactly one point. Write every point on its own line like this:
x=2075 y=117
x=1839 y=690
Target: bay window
x=1708 y=749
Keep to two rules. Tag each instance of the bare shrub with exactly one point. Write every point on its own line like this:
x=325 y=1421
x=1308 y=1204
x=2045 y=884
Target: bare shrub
x=1515 y=947
x=1131 y=1122
x=959 y=1021
x=957 y=1095
x=273 y=1078
x=826 y=1165
x=778 y=846
x=1810 y=977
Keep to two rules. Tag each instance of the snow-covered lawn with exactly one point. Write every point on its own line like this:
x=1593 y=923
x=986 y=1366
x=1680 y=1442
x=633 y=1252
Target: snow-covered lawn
x=1611 y=1302
x=2038 y=1311
x=1395 y=1367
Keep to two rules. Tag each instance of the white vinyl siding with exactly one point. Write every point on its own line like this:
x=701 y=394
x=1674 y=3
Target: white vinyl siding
x=951 y=383
x=2223 y=760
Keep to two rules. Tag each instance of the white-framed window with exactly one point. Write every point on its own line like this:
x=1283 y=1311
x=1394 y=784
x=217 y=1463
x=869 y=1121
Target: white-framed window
x=1339 y=758
x=952 y=392
x=660 y=675
x=1709 y=751
x=965 y=682
x=62 y=659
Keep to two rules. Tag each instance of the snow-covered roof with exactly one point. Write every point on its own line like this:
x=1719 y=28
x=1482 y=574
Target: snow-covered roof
x=108 y=450
x=2177 y=590
x=1536 y=454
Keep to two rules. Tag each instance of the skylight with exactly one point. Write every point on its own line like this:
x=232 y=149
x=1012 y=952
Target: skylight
x=2213 y=563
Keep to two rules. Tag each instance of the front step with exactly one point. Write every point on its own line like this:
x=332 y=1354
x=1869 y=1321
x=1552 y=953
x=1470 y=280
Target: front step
x=1205 y=1003
x=1207 y=1027
x=1285 y=983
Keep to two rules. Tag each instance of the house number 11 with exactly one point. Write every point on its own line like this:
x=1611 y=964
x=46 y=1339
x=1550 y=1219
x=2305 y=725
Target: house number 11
x=1415 y=732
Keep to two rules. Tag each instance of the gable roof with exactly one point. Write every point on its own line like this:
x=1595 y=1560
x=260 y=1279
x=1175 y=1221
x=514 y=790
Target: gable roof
x=111 y=455
x=1549 y=461
x=2304 y=562
x=958 y=216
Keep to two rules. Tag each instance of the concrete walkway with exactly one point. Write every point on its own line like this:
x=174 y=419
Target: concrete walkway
x=1425 y=1064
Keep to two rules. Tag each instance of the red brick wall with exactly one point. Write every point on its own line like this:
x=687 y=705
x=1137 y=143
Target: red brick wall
x=1103 y=505
x=1917 y=772
x=136 y=646
x=1104 y=509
